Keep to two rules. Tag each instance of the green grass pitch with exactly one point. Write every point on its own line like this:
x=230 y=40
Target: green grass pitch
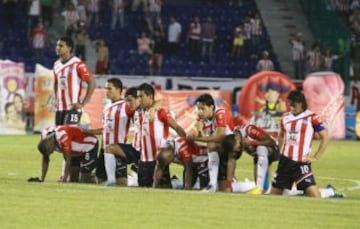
x=55 y=205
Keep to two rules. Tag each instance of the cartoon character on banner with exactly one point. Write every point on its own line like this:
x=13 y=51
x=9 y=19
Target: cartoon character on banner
x=269 y=88
x=272 y=106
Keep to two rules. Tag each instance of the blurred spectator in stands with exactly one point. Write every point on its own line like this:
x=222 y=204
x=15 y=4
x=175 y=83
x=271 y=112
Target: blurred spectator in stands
x=143 y=43
x=154 y=13
x=118 y=13
x=71 y=18
x=93 y=8
x=265 y=64
x=158 y=48
x=238 y=41
x=314 y=58
x=329 y=59
x=256 y=30
x=174 y=34
x=136 y=3
x=193 y=38
x=81 y=9
x=47 y=12
x=354 y=20
x=81 y=39
x=38 y=42
x=9 y=11
x=298 y=55
x=33 y=15
x=247 y=37
x=102 y=57
x=208 y=35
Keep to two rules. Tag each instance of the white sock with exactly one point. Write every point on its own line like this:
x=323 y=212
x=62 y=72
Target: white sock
x=110 y=167
x=132 y=181
x=196 y=186
x=242 y=186
x=176 y=183
x=261 y=166
x=63 y=168
x=326 y=192
x=213 y=165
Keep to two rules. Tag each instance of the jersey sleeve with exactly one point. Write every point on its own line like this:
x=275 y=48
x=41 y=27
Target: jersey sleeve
x=185 y=154
x=83 y=71
x=317 y=123
x=255 y=132
x=164 y=115
x=65 y=144
x=220 y=118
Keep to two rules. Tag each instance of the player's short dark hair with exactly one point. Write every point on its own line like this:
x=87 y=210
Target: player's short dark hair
x=228 y=146
x=228 y=142
x=116 y=82
x=68 y=41
x=206 y=99
x=45 y=145
x=131 y=91
x=297 y=97
x=147 y=89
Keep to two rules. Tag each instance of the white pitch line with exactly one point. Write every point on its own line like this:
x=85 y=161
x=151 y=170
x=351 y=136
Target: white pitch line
x=352 y=188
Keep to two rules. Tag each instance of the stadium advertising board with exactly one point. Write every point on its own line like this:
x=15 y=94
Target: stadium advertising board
x=12 y=93
x=44 y=107
x=324 y=93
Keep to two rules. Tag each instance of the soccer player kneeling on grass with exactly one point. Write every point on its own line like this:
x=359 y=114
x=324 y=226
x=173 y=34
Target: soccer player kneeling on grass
x=79 y=150
x=191 y=156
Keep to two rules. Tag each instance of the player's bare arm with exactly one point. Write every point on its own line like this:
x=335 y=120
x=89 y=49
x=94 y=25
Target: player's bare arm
x=230 y=172
x=67 y=159
x=44 y=166
x=324 y=141
x=188 y=175
x=179 y=130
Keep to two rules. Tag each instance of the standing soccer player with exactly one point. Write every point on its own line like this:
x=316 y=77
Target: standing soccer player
x=69 y=73
x=213 y=124
x=295 y=139
x=153 y=130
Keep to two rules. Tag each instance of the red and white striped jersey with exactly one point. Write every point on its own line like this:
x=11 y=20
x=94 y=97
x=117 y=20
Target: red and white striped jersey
x=116 y=122
x=68 y=77
x=136 y=140
x=185 y=151
x=152 y=132
x=71 y=140
x=298 y=134
x=221 y=118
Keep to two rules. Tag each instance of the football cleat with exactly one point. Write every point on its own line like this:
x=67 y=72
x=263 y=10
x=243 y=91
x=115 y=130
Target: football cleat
x=337 y=193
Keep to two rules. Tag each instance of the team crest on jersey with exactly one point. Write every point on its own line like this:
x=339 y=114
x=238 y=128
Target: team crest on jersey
x=63 y=81
x=109 y=123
